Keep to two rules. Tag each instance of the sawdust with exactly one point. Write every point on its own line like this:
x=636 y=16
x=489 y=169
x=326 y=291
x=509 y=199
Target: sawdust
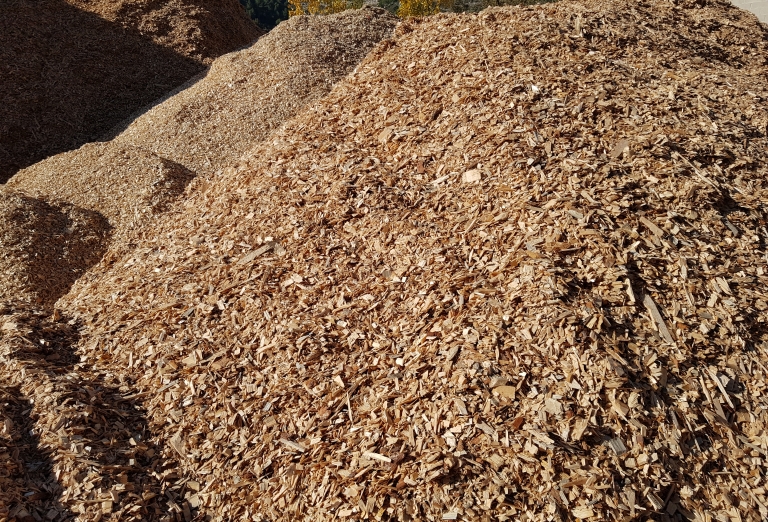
x=512 y=268
x=68 y=75
x=248 y=94
x=45 y=247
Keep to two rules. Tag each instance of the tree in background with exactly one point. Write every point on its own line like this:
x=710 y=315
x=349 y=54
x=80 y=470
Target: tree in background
x=266 y=13
x=422 y=7
x=313 y=7
x=390 y=5
x=406 y=8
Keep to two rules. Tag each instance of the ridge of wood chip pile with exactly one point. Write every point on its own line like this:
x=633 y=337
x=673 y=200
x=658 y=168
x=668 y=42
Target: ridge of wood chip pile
x=200 y=29
x=45 y=246
x=126 y=185
x=70 y=70
x=248 y=94
x=512 y=268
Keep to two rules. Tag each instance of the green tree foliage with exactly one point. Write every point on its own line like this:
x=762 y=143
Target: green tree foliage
x=390 y=5
x=266 y=13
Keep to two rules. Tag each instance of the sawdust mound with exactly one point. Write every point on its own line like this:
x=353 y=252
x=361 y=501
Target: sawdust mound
x=69 y=73
x=248 y=94
x=45 y=246
x=125 y=184
x=512 y=268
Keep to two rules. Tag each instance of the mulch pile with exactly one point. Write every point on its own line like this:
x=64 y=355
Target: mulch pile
x=72 y=70
x=125 y=184
x=512 y=268
x=200 y=29
x=45 y=246
x=244 y=97
x=248 y=94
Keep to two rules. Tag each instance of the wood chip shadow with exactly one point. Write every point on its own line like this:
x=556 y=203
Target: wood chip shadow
x=73 y=437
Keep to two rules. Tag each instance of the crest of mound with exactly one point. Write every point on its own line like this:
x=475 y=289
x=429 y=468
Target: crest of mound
x=125 y=184
x=514 y=264
x=248 y=94
x=200 y=29
x=70 y=71
x=45 y=246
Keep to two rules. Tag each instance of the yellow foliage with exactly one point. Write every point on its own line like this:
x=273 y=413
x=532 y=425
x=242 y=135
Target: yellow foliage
x=321 y=7
x=409 y=8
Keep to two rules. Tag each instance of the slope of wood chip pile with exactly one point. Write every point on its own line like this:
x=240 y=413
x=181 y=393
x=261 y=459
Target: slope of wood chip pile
x=513 y=268
x=124 y=184
x=45 y=246
x=248 y=94
x=200 y=29
x=69 y=73
x=52 y=401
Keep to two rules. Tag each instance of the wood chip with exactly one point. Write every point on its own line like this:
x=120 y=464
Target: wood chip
x=293 y=445
x=376 y=456
x=660 y=324
x=471 y=176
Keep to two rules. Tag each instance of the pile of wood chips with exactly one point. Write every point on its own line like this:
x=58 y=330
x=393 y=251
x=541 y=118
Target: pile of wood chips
x=512 y=268
x=70 y=70
x=245 y=96
x=125 y=184
x=45 y=246
x=248 y=94
x=200 y=29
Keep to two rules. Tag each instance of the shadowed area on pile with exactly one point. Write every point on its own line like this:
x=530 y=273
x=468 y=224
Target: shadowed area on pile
x=71 y=443
x=69 y=76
